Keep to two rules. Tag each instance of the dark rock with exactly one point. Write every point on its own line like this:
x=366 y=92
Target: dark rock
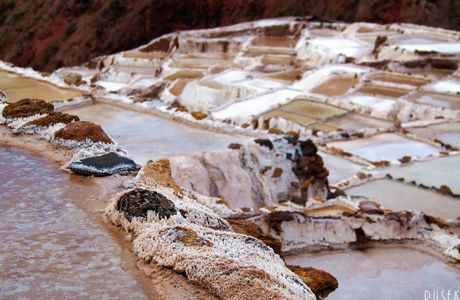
x=308 y=148
x=291 y=140
x=264 y=143
x=138 y=202
x=103 y=165
x=26 y=108
x=234 y=146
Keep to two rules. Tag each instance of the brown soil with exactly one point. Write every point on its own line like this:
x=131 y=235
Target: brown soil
x=26 y=108
x=53 y=118
x=319 y=281
x=48 y=34
x=82 y=131
x=249 y=228
x=159 y=172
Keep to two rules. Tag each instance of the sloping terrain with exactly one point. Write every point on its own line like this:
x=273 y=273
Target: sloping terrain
x=47 y=34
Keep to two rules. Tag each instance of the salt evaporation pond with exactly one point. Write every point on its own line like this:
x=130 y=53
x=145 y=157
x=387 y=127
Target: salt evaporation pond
x=382 y=273
x=448 y=133
x=400 y=196
x=148 y=137
x=339 y=168
x=434 y=172
x=18 y=87
x=50 y=248
x=386 y=146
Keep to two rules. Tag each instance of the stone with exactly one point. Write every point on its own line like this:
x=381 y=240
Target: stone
x=103 y=165
x=81 y=131
x=370 y=207
x=264 y=143
x=199 y=115
x=53 y=118
x=308 y=148
x=73 y=79
x=320 y=282
x=27 y=107
x=138 y=202
x=277 y=172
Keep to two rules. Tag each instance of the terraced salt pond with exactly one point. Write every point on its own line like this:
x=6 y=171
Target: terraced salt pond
x=50 y=248
x=148 y=137
x=339 y=168
x=386 y=146
x=400 y=196
x=335 y=86
x=352 y=121
x=382 y=273
x=448 y=133
x=18 y=87
x=434 y=172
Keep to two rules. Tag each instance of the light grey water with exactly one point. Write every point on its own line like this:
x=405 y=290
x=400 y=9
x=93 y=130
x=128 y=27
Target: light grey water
x=49 y=247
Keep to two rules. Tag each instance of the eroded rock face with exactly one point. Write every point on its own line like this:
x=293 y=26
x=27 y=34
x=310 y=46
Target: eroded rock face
x=53 y=118
x=27 y=107
x=320 y=282
x=103 y=165
x=138 y=202
x=82 y=131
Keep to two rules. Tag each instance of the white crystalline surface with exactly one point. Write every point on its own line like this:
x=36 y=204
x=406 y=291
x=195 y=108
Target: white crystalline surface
x=230 y=265
x=386 y=273
x=437 y=47
x=386 y=146
x=446 y=86
x=50 y=248
x=255 y=105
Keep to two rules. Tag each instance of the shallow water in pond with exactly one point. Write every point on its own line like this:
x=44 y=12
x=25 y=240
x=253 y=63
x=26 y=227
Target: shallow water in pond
x=335 y=86
x=18 y=87
x=448 y=133
x=408 y=197
x=148 y=137
x=50 y=248
x=433 y=172
x=383 y=273
x=386 y=146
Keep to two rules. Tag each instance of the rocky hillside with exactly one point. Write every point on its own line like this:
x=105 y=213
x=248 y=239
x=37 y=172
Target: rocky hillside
x=47 y=34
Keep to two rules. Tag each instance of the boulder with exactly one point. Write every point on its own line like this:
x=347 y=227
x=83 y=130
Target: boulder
x=73 y=79
x=53 y=118
x=320 y=282
x=103 y=165
x=138 y=202
x=81 y=131
x=27 y=107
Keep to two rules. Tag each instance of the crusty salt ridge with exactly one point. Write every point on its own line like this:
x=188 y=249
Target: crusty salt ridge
x=343 y=221
x=81 y=149
x=216 y=259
